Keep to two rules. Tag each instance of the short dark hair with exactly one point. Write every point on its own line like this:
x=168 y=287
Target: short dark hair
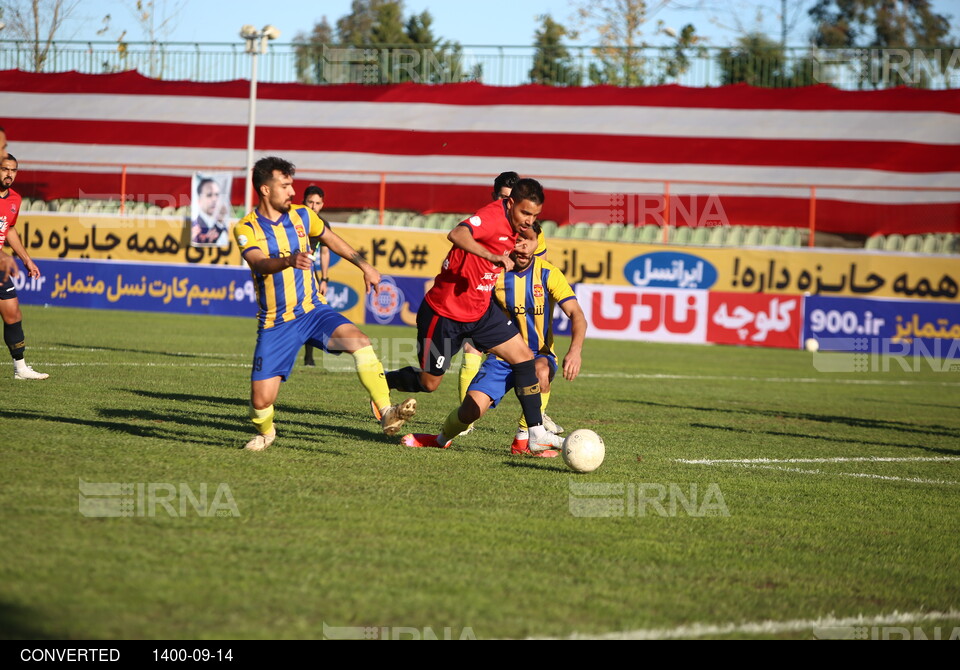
x=203 y=182
x=312 y=189
x=508 y=179
x=11 y=157
x=264 y=168
x=527 y=189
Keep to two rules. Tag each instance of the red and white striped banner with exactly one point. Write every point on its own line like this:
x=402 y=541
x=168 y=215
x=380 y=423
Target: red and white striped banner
x=747 y=155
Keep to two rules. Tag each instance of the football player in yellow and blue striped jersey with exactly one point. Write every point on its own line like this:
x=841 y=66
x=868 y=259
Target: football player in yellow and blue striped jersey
x=527 y=294
x=274 y=241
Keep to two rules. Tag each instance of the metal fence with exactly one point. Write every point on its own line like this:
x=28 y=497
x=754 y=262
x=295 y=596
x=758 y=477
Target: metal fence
x=853 y=69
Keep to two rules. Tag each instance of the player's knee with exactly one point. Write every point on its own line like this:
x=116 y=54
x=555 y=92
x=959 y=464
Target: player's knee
x=430 y=383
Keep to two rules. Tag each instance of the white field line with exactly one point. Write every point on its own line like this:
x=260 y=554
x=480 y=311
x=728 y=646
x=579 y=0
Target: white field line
x=828 y=627
x=613 y=375
x=912 y=480
x=765 y=463
x=777 y=380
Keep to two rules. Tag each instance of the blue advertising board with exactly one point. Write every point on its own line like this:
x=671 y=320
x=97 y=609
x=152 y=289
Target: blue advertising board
x=890 y=327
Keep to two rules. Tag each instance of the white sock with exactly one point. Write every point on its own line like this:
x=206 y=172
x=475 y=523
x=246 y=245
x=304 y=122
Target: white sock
x=538 y=431
x=19 y=365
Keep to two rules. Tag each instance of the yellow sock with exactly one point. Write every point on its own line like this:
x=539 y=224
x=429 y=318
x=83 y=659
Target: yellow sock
x=262 y=419
x=453 y=426
x=471 y=363
x=544 y=399
x=370 y=371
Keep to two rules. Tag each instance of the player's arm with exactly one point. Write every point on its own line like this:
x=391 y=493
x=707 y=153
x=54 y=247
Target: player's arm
x=260 y=263
x=578 y=332
x=336 y=244
x=461 y=238
x=13 y=238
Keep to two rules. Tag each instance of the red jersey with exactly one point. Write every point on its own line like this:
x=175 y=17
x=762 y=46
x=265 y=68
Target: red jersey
x=9 y=209
x=463 y=288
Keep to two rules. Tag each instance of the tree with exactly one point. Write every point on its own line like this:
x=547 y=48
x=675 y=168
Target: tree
x=309 y=52
x=760 y=61
x=37 y=22
x=897 y=34
x=373 y=44
x=621 y=59
x=552 y=64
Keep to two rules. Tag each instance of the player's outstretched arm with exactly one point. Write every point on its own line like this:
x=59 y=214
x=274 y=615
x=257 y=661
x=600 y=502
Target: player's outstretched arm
x=13 y=238
x=336 y=244
x=578 y=332
x=261 y=263
x=461 y=238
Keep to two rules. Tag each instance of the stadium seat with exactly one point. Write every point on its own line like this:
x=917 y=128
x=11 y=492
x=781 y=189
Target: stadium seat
x=597 y=231
x=790 y=237
x=370 y=217
x=894 y=242
x=771 y=237
x=613 y=232
x=754 y=237
x=563 y=232
x=874 y=242
x=734 y=237
x=680 y=235
x=650 y=234
x=417 y=221
x=397 y=219
x=913 y=243
x=630 y=233
x=154 y=210
x=701 y=236
x=549 y=227
x=717 y=235
x=432 y=221
x=580 y=230
x=354 y=218
x=950 y=243
x=932 y=243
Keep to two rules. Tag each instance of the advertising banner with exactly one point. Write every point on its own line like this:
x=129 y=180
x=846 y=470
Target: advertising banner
x=884 y=327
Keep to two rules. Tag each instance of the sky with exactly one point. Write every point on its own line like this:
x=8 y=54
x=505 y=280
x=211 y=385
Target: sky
x=487 y=22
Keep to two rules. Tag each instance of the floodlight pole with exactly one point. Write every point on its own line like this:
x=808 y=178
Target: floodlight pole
x=256 y=44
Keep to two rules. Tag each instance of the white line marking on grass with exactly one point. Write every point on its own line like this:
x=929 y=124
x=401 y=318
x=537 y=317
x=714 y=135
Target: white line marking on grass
x=185 y=366
x=154 y=353
x=913 y=480
x=765 y=463
x=841 y=459
x=770 y=627
x=778 y=380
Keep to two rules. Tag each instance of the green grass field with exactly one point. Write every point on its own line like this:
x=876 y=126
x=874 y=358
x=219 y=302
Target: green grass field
x=339 y=526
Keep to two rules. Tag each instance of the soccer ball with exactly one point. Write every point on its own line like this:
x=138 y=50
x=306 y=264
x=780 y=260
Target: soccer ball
x=583 y=450
x=812 y=345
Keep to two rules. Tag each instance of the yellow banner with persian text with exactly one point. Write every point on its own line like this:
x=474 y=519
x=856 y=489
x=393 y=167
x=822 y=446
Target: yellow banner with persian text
x=419 y=253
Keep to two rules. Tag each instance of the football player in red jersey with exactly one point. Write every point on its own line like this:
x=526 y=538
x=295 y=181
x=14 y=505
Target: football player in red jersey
x=9 y=304
x=458 y=307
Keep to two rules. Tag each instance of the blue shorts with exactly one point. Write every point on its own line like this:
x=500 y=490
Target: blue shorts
x=495 y=376
x=277 y=347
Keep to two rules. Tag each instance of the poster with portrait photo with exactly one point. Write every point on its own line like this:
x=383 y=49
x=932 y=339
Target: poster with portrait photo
x=210 y=209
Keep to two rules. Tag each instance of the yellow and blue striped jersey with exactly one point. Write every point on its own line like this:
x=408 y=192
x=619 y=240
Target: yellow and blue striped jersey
x=541 y=244
x=285 y=295
x=528 y=297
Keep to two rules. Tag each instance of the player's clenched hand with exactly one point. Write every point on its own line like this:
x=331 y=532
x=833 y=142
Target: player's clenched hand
x=32 y=269
x=504 y=261
x=371 y=278
x=301 y=260
x=571 y=366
